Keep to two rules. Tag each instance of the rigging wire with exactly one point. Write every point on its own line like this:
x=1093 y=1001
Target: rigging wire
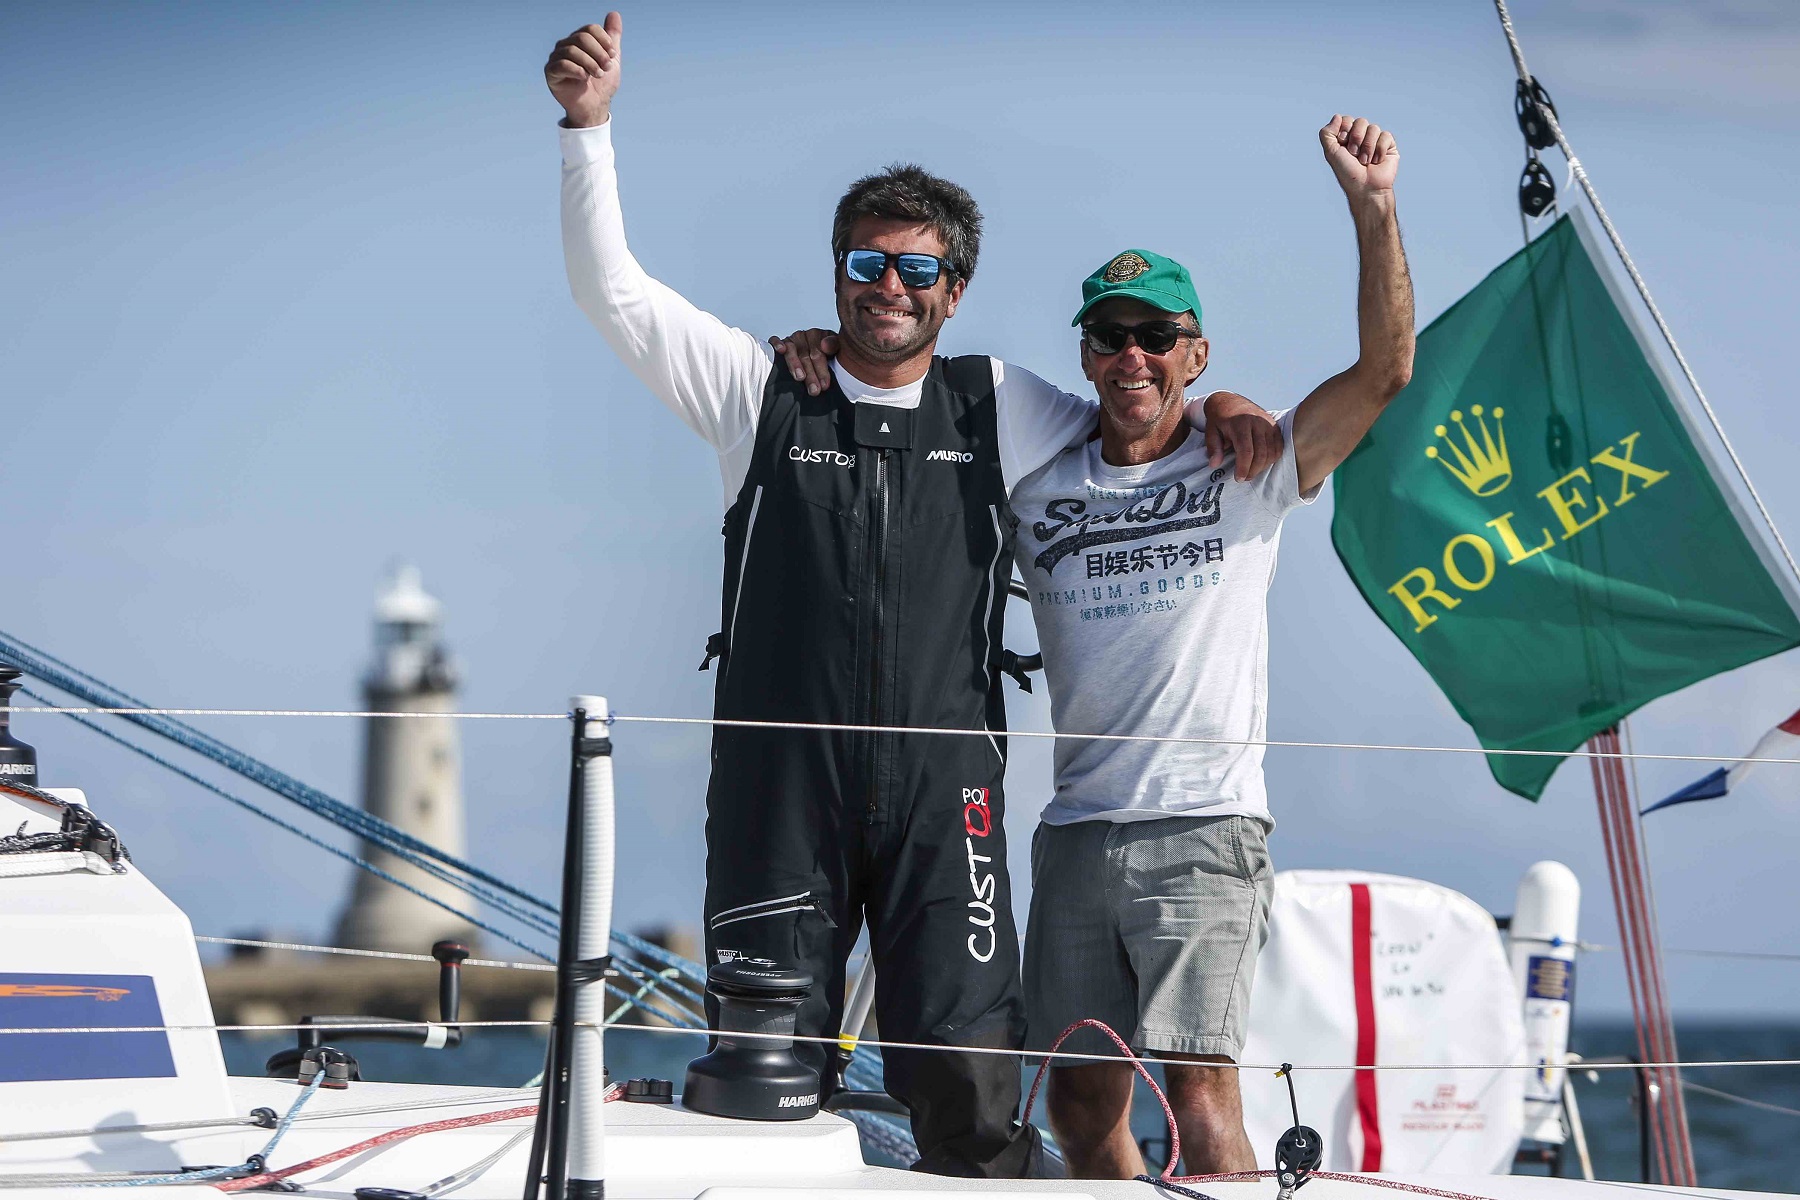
x=1737 y=1099
x=258 y=944
x=830 y=727
x=307 y=948
x=824 y=727
x=936 y=1047
x=502 y=1096
x=626 y=960
x=637 y=972
x=1744 y=955
x=633 y=943
x=353 y=859
x=1643 y=288
x=49 y=706
x=53 y=671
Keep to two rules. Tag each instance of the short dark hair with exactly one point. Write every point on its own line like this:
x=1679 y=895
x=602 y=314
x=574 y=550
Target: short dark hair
x=908 y=192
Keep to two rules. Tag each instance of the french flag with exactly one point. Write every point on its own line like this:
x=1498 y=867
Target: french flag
x=1783 y=741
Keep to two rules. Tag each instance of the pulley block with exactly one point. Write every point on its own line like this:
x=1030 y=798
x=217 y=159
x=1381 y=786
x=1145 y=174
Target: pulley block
x=1531 y=103
x=1537 y=190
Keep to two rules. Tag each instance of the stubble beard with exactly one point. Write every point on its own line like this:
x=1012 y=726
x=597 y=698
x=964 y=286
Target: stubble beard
x=1171 y=399
x=874 y=349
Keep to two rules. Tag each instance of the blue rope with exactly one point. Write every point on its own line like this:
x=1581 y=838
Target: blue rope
x=363 y=864
x=689 y=969
x=287 y=1121
x=374 y=830
x=634 y=942
x=255 y=1165
x=102 y=695
x=679 y=1020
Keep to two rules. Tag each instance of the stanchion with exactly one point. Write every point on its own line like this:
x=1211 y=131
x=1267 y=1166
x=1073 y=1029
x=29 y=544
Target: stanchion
x=570 y=1132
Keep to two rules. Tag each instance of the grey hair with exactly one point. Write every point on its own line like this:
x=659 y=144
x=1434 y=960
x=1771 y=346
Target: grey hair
x=908 y=192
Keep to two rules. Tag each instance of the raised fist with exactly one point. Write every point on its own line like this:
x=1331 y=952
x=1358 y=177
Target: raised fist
x=583 y=72
x=1362 y=156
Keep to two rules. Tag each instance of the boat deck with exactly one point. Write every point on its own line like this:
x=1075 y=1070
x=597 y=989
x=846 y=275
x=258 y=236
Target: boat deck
x=667 y=1151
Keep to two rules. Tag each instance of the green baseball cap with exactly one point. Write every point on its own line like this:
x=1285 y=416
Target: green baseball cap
x=1142 y=275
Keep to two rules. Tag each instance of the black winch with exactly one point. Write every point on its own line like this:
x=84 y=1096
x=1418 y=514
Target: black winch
x=18 y=762
x=754 y=1078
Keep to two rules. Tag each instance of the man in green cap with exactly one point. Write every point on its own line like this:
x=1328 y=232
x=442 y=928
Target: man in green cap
x=1149 y=568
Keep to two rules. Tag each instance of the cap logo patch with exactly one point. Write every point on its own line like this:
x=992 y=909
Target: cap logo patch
x=1125 y=267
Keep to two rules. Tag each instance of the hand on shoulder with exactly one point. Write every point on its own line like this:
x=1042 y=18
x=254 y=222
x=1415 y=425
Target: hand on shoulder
x=809 y=353
x=1238 y=425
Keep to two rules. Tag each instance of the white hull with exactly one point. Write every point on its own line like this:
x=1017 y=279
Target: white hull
x=664 y=1151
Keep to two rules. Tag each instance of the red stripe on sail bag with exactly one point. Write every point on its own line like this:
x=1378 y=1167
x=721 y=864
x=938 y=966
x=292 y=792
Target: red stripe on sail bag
x=1367 y=1110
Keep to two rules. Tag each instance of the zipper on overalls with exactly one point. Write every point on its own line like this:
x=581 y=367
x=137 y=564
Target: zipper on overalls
x=880 y=580
x=799 y=902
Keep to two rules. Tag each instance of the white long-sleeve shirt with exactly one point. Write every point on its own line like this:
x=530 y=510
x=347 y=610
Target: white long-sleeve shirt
x=712 y=375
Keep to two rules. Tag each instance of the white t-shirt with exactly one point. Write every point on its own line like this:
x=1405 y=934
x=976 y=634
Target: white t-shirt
x=1149 y=584
x=711 y=375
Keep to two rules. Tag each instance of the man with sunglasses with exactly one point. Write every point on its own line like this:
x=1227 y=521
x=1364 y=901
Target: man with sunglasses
x=867 y=555
x=1149 y=567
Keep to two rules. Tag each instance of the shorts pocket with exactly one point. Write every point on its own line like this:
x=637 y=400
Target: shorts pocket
x=1250 y=838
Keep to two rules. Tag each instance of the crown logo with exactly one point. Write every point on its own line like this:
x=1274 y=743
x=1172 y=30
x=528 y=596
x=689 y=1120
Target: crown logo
x=1483 y=465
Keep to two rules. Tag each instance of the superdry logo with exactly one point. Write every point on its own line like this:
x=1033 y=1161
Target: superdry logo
x=978 y=822
x=960 y=456
x=1172 y=508
x=834 y=458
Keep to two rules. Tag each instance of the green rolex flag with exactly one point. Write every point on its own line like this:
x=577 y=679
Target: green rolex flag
x=1535 y=518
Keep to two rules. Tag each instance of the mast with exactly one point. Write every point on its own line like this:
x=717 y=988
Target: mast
x=1627 y=859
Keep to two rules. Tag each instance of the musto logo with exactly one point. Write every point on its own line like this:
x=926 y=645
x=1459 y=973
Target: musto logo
x=1481 y=463
x=978 y=822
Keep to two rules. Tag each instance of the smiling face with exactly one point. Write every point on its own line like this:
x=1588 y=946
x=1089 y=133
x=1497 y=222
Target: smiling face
x=886 y=321
x=1140 y=393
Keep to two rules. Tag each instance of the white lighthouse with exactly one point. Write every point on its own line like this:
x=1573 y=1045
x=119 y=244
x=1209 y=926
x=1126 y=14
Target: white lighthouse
x=412 y=773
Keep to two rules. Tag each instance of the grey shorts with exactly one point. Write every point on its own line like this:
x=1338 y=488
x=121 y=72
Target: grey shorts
x=1150 y=926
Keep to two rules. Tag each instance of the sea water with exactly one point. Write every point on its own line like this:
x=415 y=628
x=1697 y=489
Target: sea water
x=1735 y=1145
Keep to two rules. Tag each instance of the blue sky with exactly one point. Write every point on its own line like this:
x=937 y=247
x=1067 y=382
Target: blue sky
x=284 y=300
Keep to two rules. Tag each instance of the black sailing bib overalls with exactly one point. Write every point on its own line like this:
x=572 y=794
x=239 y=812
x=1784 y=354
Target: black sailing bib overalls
x=866 y=564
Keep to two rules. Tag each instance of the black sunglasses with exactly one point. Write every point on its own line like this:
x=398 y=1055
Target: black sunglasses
x=1152 y=337
x=916 y=270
